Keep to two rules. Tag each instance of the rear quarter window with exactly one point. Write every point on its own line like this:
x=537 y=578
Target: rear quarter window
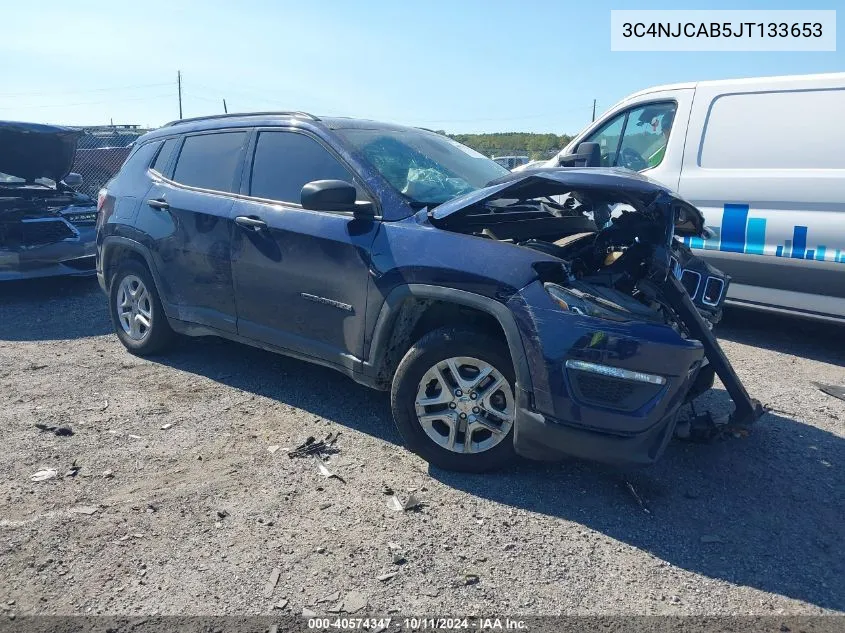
x=141 y=157
x=163 y=159
x=775 y=130
x=210 y=161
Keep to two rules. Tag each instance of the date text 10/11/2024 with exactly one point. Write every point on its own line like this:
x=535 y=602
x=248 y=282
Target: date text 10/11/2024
x=417 y=624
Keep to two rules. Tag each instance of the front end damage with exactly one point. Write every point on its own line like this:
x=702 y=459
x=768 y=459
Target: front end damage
x=46 y=227
x=617 y=324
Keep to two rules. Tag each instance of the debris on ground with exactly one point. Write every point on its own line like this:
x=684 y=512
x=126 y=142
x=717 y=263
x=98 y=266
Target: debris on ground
x=273 y=448
x=34 y=367
x=44 y=474
x=325 y=472
x=84 y=510
x=333 y=597
x=272 y=581
x=308 y=613
x=837 y=391
x=637 y=497
x=387 y=490
x=60 y=431
x=281 y=604
x=108 y=474
x=387 y=576
x=164 y=427
x=471 y=578
x=73 y=471
x=354 y=601
x=222 y=513
x=312 y=447
x=412 y=503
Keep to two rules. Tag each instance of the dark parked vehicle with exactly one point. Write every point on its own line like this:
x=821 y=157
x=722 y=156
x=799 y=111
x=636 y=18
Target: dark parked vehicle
x=501 y=321
x=46 y=227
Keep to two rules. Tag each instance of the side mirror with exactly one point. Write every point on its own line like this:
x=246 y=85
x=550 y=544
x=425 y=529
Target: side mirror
x=73 y=180
x=334 y=195
x=586 y=155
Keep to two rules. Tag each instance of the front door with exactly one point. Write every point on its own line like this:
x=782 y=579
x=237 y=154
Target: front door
x=300 y=276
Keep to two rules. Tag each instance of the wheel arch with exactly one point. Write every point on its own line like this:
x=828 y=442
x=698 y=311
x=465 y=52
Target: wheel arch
x=403 y=312
x=117 y=249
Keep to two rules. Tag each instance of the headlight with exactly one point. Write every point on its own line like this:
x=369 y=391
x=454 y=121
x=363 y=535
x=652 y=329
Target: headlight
x=573 y=300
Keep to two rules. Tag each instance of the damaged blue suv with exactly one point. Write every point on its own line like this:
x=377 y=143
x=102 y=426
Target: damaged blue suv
x=541 y=313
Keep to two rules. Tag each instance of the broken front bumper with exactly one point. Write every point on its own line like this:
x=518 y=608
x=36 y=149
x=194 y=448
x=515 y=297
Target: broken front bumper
x=601 y=390
x=71 y=256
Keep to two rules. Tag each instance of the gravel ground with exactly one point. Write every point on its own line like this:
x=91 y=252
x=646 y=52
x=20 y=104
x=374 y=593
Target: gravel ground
x=192 y=513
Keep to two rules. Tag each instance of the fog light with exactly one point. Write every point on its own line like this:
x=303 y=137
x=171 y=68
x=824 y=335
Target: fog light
x=616 y=372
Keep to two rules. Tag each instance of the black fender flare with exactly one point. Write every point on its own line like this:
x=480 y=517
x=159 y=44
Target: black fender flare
x=109 y=243
x=391 y=307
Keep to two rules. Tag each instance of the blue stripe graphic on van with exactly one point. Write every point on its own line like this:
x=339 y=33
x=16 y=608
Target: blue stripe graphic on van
x=741 y=234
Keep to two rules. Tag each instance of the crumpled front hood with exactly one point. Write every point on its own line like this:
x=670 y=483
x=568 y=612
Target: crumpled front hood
x=605 y=185
x=32 y=150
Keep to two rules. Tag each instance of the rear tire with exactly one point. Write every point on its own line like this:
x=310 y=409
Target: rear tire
x=136 y=313
x=454 y=384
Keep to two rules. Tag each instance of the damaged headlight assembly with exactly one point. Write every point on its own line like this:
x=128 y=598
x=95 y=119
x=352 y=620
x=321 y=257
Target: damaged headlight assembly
x=572 y=300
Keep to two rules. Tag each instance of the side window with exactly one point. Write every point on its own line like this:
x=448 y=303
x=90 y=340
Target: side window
x=163 y=159
x=210 y=161
x=608 y=136
x=140 y=156
x=636 y=139
x=285 y=161
x=646 y=135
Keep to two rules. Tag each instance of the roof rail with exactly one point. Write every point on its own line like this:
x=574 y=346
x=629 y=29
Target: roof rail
x=304 y=115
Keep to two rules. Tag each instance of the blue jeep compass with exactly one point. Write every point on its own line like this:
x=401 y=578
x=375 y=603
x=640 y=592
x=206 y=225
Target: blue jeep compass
x=539 y=313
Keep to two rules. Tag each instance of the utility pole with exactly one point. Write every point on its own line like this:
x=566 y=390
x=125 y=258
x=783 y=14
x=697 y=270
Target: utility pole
x=225 y=109
x=179 y=85
x=594 y=109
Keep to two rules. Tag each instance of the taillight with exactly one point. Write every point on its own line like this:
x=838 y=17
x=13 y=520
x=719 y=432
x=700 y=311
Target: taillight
x=101 y=198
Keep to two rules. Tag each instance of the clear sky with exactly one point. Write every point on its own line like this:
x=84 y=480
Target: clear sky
x=459 y=65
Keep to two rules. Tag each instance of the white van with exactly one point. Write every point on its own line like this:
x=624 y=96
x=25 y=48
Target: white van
x=764 y=159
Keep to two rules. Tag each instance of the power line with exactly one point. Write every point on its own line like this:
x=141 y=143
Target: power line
x=70 y=105
x=72 y=92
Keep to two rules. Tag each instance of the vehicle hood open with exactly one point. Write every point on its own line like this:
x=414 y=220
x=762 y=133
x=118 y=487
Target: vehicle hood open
x=609 y=186
x=32 y=150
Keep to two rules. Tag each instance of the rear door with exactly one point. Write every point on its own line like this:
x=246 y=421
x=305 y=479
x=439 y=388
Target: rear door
x=301 y=280
x=190 y=224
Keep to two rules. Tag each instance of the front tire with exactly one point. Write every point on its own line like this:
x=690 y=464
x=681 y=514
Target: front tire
x=136 y=313
x=453 y=400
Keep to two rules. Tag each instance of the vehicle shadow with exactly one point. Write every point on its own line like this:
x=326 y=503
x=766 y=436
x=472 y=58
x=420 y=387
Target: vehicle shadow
x=286 y=380
x=764 y=511
x=775 y=500
x=54 y=308
x=816 y=340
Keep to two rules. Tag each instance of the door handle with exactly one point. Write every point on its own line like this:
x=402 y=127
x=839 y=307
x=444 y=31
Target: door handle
x=159 y=203
x=247 y=222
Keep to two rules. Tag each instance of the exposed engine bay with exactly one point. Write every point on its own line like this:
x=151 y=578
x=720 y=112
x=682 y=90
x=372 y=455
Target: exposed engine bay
x=614 y=234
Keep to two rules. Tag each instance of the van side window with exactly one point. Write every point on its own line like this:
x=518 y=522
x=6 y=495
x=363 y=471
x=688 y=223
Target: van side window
x=285 y=161
x=210 y=161
x=636 y=139
x=646 y=136
x=608 y=136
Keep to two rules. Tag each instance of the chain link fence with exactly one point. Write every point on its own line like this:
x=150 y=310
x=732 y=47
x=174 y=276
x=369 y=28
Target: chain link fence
x=100 y=153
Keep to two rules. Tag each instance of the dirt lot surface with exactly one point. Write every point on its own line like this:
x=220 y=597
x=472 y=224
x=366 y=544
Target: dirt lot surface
x=179 y=506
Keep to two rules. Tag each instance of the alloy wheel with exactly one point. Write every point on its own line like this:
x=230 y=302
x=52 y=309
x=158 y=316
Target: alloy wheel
x=134 y=308
x=465 y=405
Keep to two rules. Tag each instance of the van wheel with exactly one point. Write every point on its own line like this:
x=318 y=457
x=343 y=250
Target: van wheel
x=453 y=400
x=136 y=312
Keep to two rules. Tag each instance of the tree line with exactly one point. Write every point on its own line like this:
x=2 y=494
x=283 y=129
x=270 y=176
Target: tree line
x=501 y=143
